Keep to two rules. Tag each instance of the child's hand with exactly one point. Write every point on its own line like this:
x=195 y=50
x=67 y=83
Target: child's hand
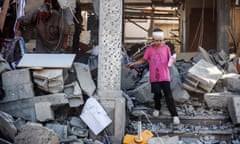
x=130 y=65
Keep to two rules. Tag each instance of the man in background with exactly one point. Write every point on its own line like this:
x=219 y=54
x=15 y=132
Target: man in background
x=50 y=28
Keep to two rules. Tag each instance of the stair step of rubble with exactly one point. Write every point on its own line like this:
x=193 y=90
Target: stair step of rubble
x=201 y=120
x=217 y=126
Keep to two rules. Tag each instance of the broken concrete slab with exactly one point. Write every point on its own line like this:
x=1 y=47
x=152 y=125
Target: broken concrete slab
x=84 y=78
x=232 y=83
x=202 y=77
x=43 y=111
x=7 y=127
x=180 y=95
x=74 y=94
x=49 y=80
x=142 y=93
x=25 y=108
x=79 y=132
x=164 y=140
x=128 y=78
x=36 y=61
x=205 y=55
x=60 y=130
x=36 y=134
x=234 y=109
x=17 y=84
x=4 y=66
x=77 y=122
x=218 y=100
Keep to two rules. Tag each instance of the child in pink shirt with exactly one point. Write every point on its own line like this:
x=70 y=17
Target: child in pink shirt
x=158 y=56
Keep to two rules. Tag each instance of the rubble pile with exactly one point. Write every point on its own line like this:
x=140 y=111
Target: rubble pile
x=206 y=90
x=44 y=105
x=48 y=105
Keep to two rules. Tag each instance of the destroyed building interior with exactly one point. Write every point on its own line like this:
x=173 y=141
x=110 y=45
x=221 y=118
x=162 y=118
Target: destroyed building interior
x=87 y=95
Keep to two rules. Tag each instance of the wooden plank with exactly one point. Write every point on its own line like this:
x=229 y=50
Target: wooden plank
x=36 y=61
x=3 y=13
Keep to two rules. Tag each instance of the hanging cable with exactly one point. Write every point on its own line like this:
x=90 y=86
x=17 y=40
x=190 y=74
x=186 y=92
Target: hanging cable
x=213 y=12
x=200 y=28
x=202 y=24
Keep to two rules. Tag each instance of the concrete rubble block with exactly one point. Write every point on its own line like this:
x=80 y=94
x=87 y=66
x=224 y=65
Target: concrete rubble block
x=43 y=111
x=4 y=66
x=164 y=140
x=17 y=85
x=232 y=67
x=128 y=78
x=60 y=130
x=217 y=100
x=25 y=108
x=7 y=127
x=205 y=55
x=19 y=123
x=142 y=93
x=202 y=77
x=77 y=122
x=35 y=134
x=234 y=109
x=80 y=132
x=180 y=95
x=232 y=83
x=49 y=80
x=84 y=78
x=74 y=94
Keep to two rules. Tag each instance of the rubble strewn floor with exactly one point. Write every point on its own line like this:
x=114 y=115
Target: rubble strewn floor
x=208 y=113
x=206 y=127
x=205 y=111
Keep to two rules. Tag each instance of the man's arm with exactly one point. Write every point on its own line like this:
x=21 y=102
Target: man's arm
x=17 y=29
x=65 y=41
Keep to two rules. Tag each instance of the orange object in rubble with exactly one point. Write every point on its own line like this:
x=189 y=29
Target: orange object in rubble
x=134 y=139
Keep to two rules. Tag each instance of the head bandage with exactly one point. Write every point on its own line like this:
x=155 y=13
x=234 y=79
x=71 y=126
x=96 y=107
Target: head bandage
x=158 y=35
x=44 y=8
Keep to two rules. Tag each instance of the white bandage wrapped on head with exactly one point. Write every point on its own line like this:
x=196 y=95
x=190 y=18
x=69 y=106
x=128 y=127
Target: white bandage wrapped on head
x=158 y=35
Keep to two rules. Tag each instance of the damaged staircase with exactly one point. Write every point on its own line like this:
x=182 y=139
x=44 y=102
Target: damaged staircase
x=213 y=127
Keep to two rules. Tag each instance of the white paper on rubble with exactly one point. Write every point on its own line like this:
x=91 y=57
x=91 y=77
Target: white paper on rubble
x=95 y=116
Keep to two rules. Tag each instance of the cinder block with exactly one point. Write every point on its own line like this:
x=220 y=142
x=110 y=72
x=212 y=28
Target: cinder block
x=43 y=111
x=85 y=79
x=202 y=77
x=234 y=109
x=60 y=130
x=217 y=100
x=25 y=108
x=17 y=85
x=142 y=93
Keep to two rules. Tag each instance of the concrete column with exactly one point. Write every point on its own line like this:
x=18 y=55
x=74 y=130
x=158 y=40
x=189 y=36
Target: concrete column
x=223 y=21
x=110 y=42
x=109 y=64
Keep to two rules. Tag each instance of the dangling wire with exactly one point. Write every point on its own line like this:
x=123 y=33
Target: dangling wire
x=213 y=12
x=200 y=28
x=202 y=25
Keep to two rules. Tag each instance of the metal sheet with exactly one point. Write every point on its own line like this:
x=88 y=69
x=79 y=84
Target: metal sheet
x=36 y=61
